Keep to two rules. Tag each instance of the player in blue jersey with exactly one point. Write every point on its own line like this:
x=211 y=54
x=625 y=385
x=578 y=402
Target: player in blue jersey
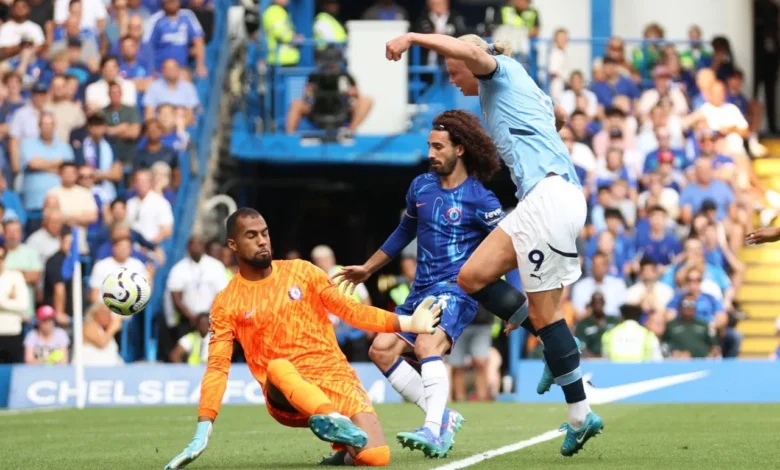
x=539 y=237
x=450 y=213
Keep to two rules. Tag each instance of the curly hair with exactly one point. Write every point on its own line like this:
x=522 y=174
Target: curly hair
x=480 y=154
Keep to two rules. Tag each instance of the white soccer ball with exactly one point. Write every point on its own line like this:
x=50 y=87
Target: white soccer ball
x=125 y=292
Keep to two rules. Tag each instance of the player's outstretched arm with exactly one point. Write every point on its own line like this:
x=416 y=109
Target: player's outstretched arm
x=212 y=387
x=350 y=276
x=764 y=235
x=477 y=61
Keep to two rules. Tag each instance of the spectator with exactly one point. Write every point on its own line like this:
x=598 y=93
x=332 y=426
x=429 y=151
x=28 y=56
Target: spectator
x=651 y=295
x=665 y=154
x=19 y=32
x=75 y=37
x=611 y=169
x=14 y=305
x=474 y=343
x=97 y=93
x=682 y=79
x=161 y=181
x=581 y=155
x=173 y=31
x=12 y=203
x=327 y=28
x=519 y=14
x=193 y=347
x=383 y=10
x=119 y=231
x=613 y=84
x=629 y=341
x=154 y=150
x=21 y=257
x=149 y=213
x=173 y=122
x=47 y=344
x=132 y=66
x=708 y=144
x=663 y=89
x=93 y=13
x=323 y=257
x=24 y=125
x=659 y=244
x=100 y=330
x=58 y=291
x=590 y=329
x=171 y=89
x=613 y=288
x=77 y=203
x=576 y=92
x=660 y=119
x=624 y=200
x=68 y=114
x=616 y=126
x=724 y=118
x=97 y=154
x=688 y=336
x=118 y=19
x=705 y=188
x=327 y=106
x=191 y=287
x=46 y=240
x=623 y=248
x=124 y=126
x=41 y=12
x=14 y=100
x=42 y=158
x=698 y=55
x=120 y=258
x=578 y=123
x=715 y=280
x=646 y=57
x=204 y=12
x=706 y=307
x=438 y=18
x=558 y=66
x=135 y=29
x=137 y=10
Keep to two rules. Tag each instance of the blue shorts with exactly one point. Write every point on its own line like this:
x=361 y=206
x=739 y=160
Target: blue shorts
x=458 y=313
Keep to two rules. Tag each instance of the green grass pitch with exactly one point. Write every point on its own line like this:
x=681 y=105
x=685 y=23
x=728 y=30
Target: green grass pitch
x=245 y=437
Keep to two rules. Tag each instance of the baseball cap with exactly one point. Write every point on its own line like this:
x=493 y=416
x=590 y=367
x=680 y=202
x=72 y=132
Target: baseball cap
x=45 y=312
x=665 y=156
x=40 y=87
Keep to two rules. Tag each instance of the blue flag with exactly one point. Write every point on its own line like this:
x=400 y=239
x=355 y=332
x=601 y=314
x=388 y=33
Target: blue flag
x=70 y=261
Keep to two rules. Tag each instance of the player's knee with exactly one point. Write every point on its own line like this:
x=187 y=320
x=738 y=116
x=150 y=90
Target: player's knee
x=374 y=457
x=479 y=364
x=384 y=358
x=425 y=349
x=467 y=281
x=277 y=368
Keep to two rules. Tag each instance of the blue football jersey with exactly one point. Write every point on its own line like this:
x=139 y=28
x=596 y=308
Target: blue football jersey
x=520 y=118
x=451 y=223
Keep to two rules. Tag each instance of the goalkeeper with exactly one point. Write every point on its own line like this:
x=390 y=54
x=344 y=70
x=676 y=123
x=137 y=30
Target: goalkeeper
x=278 y=311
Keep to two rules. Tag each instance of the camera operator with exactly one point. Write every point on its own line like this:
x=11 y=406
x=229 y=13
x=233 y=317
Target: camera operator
x=331 y=99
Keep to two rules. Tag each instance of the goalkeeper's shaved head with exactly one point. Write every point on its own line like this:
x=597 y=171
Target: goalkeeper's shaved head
x=232 y=221
x=249 y=239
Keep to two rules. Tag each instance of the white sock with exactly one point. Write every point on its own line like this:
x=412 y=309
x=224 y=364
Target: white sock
x=436 y=385
x=577 y=413
x=407 y=382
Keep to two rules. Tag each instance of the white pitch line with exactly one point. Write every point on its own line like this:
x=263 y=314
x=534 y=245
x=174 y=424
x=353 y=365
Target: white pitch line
x=24 y=411
x=489 y=454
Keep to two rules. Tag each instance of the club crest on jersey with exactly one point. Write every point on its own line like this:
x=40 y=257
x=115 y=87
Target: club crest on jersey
x=295 y=293
x=454 y=215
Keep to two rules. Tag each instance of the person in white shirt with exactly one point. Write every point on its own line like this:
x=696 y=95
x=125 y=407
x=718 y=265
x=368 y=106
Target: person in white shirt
x=149 y=213
x=46 y=240
x=120 y=258
x=613 y=288
x=193 y=348
x=723 y=117
x=100 y=330
x=323 y=257
x=14 y=303
x=93 y=13
x=76 y=202
x=648 y=293
x=192 y=285
x=96 y=94
x=558 y=65
x=19 y=33
x=663 y=88
x=660 y=118
x=581 y=154
x=577 y=90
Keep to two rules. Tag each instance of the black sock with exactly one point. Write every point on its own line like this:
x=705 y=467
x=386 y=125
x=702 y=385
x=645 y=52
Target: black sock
x=563 y=359
x=503 y=301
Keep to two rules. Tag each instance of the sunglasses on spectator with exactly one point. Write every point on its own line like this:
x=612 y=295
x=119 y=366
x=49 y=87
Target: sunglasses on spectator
x=694 y=279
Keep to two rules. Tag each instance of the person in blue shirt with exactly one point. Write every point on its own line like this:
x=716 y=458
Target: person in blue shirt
x=659 y=244
x=172 y=33
x=612 y=169
x=540 y=236
x=450 y=213
x=624 y=248
x=614 y=84
x=14 y=209
x=41 y=159
x=653 y=159
x=734 y=95
x=132 y=66
x=708 y=308
x=693 y=257
x=705 y=188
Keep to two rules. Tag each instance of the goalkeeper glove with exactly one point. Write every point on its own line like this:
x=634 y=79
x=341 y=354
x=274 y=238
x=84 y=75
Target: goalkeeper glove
x=425 y=318
x=196 y=447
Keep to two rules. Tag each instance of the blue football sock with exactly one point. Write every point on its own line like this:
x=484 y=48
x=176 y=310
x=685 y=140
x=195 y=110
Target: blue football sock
x=563 y=359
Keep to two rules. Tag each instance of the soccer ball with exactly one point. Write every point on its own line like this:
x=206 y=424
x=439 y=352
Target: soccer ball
x=125 y=292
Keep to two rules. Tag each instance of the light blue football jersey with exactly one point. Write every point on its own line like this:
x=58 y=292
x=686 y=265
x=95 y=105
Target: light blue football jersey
x=520 y=118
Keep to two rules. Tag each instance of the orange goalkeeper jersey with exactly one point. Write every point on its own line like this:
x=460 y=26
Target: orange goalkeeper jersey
x=283 y=316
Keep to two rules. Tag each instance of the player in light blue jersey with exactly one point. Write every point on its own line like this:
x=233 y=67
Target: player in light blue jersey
x=539 y=237
x=450 y=213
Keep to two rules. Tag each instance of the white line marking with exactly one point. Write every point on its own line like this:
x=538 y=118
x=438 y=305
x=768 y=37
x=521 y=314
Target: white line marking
x=489 y=454
x=24 y=411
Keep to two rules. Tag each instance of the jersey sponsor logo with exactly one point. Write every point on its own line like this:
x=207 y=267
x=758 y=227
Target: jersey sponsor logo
x=454 y=215
x=295 y=293
x=494 y=216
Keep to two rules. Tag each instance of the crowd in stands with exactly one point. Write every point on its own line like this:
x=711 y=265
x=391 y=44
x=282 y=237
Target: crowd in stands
x=97 y=103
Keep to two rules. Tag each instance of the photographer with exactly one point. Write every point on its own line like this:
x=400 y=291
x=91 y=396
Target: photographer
x=331 y=99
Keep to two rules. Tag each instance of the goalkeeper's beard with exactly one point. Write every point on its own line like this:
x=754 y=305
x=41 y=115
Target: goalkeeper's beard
x=260 y=263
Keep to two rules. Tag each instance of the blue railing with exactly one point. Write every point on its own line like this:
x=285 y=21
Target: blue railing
x=209 y=91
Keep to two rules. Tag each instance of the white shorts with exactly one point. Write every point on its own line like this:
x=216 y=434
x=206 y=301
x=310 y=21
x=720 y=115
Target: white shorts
x=544 y=228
